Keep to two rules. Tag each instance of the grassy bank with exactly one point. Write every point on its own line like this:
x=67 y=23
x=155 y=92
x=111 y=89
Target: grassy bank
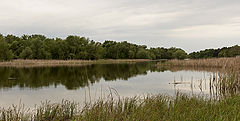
x=225 y=63
x=158 y=107
x=42 y=63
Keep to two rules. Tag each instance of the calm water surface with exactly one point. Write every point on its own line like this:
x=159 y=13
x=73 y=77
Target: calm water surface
x=33 y=85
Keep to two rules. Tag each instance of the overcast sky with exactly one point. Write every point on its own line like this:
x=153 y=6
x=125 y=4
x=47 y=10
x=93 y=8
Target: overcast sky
x=189 y=24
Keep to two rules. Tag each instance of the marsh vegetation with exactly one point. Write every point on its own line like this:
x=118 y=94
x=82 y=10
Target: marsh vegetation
x=180 y=107
x=53 y=63
x=227 y=70
x=151 y=107
x=213 y=96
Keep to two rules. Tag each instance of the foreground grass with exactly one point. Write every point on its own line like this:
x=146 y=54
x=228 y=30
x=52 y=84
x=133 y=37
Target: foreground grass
x=157 y=107
x=43 y=63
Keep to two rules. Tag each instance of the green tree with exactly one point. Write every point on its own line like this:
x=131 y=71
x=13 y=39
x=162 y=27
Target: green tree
x=142 y=54
x=5 y=53
x=27 y=53
x=180 y=54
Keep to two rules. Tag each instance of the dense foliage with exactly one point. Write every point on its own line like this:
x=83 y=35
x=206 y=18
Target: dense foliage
x=75 y=47
x=215 y=53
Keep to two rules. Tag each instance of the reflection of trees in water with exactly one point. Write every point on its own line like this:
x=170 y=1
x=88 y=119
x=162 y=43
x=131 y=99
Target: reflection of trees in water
x=70 y=77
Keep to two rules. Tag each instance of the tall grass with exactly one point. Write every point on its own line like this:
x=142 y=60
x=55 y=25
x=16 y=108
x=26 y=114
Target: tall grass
x=225 y=63
x=227 y=70
x=42 y=63
x=46 y=112
x=151 y=107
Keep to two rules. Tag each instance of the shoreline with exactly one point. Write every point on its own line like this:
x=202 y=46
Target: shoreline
x=54 y=63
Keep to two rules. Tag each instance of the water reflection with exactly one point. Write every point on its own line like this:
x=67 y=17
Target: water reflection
x=33 y=85
x=71 y=77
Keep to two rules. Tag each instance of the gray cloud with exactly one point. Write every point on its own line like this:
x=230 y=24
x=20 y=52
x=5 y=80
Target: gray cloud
x=189 y=24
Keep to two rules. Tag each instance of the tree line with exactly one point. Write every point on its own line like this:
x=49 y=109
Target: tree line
x=216 y=53
x=76 y=47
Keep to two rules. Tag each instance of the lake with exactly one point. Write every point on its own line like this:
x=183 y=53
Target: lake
x=30 y=86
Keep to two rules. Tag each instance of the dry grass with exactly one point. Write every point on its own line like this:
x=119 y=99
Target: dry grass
x=226 y=69
x=43 y=63
x=222 y=65
x=207 y=63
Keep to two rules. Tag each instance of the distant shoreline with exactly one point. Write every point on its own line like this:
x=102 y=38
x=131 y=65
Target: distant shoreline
x=53 y=63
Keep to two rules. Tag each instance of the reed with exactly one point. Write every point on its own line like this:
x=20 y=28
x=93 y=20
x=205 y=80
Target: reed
x=206 y=63
x=51 y=63
x=151 y=107
x=227 y=70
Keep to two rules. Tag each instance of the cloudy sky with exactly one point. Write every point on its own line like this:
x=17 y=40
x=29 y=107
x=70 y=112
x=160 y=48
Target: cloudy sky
x=189 y=24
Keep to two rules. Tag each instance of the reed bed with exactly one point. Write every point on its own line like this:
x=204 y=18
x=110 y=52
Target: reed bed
x=182 y=68
x=151 y=107
x=53 y=63
x=206 y=63
x=227 y=70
